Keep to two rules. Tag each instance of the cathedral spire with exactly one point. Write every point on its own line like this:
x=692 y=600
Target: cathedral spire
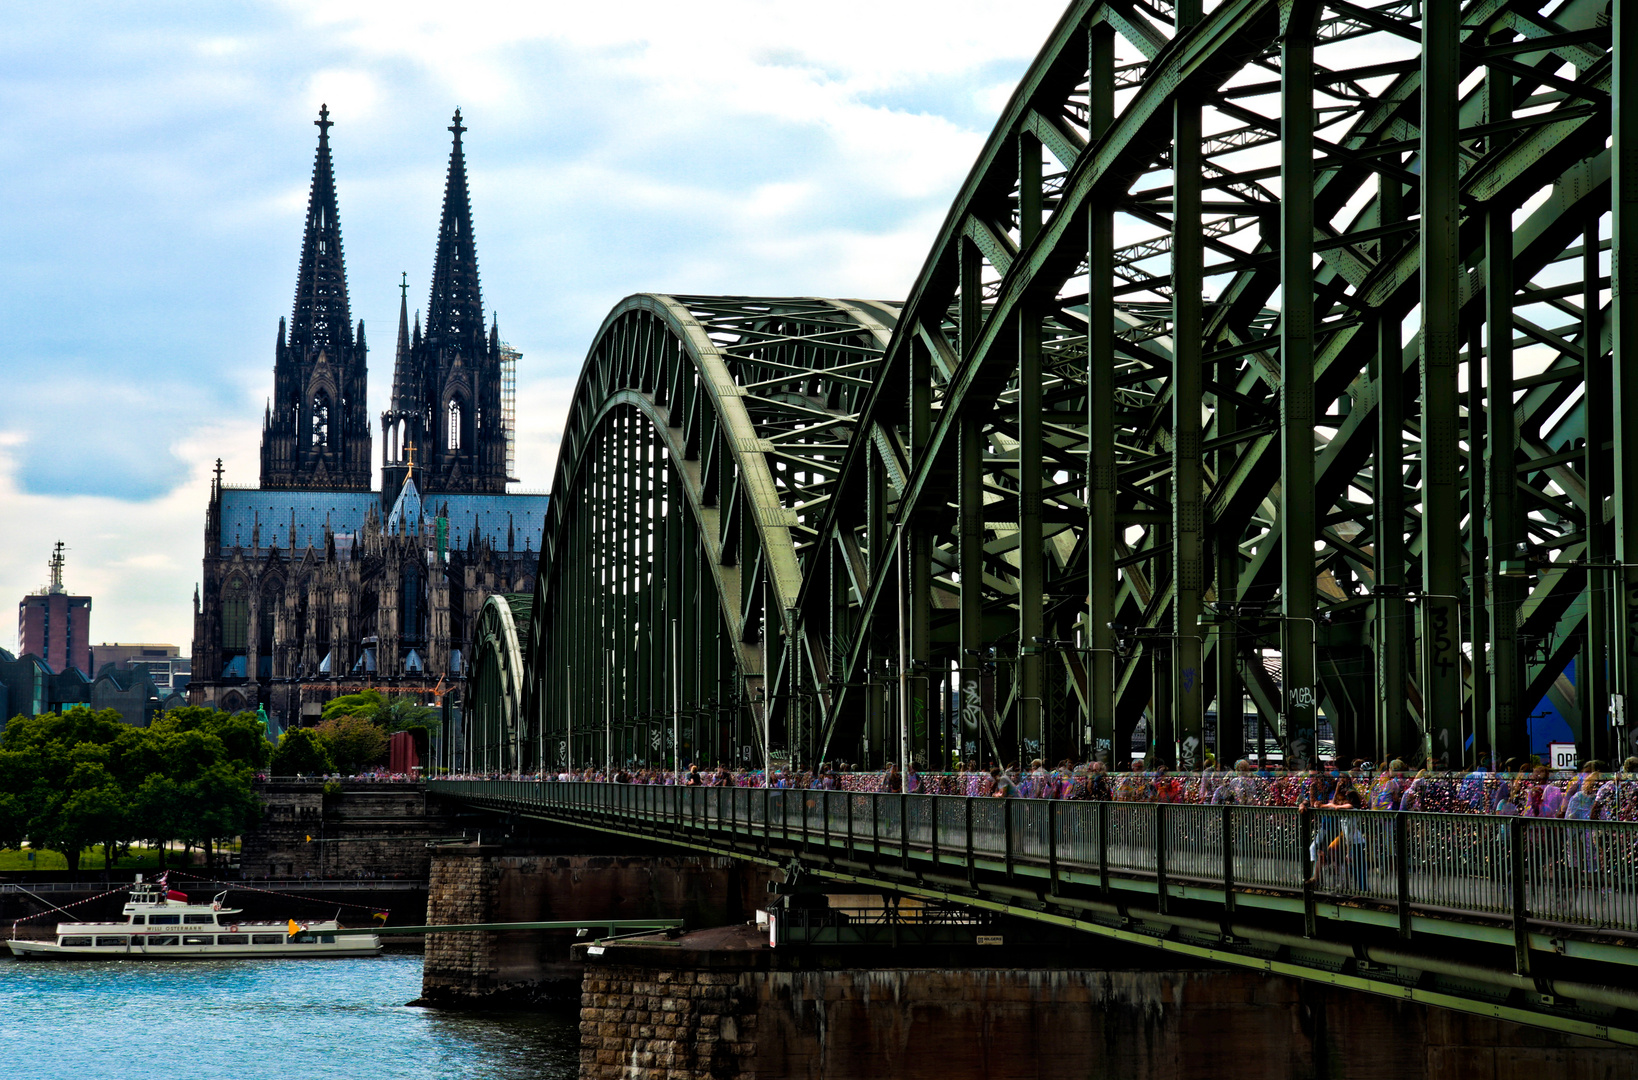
x=318 y=433
x=321 y=321
x=403 y=381
x=403 y=316
x=455 y=311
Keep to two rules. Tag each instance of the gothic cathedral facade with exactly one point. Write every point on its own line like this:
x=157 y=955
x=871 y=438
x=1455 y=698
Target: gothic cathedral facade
x=315 y=584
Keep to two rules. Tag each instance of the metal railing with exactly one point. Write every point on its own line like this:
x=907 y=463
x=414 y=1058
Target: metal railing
x=325 y=884
x=1577 y=874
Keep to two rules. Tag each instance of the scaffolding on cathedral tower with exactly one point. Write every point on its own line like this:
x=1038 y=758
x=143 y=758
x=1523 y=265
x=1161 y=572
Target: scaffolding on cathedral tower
x=509 y=357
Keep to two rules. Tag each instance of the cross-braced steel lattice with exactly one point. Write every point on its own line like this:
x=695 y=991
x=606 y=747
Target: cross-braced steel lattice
x=1268 y=370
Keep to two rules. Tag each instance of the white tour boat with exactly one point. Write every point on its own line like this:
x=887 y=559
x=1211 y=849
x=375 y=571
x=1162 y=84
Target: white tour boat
x=162 y=924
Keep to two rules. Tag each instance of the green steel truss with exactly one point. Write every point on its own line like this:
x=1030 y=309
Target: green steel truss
x=495 y=734
x=700 y=452
x=1268 y=354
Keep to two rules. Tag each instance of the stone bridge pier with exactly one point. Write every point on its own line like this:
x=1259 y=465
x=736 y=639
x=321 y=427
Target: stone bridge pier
x=558 y=880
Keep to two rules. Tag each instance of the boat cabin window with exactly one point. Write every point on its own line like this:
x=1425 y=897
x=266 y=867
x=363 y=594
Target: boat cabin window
x=267 y=939
x=305 y=939
x=111 y=940
x=162 y=939
x=136 y=920
x=233 y=939
x=198 y=917
x=76 y=941
x=197 y=939
x=164 y=920
x=328 y=939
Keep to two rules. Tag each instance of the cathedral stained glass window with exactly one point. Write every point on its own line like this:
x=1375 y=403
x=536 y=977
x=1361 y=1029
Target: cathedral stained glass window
x=321 y=420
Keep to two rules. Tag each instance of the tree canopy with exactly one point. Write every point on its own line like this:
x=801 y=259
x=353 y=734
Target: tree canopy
x=353 y=742
x=396 y=714
x=300 y=753
x=80 y=778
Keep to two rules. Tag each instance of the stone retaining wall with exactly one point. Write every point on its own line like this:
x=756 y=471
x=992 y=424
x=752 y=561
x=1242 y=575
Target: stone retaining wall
x=364 y=829
x=636 y=1022
x=490 y=884
x=666 y=1011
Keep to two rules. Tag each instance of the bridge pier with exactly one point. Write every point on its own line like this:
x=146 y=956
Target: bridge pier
x=721 y=1004
x=560 y=879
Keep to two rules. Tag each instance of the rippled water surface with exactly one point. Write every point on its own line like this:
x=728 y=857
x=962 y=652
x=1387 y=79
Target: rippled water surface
x=284 y=1019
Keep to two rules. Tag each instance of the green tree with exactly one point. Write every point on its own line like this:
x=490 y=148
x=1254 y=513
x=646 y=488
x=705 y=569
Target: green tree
x=76 y=779
x=370 y=704
x=300 y=752
x=241 y=733
x=406 y=715
x=60 y=782
x=157 y=804
x=353 y=742
x=397 y=714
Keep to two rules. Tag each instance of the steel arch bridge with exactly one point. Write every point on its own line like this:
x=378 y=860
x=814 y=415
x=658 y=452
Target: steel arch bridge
x=1271 y=354
x=496 y=734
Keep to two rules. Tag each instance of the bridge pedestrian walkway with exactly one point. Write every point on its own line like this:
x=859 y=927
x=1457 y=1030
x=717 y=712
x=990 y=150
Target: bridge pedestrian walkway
x=1533 y=920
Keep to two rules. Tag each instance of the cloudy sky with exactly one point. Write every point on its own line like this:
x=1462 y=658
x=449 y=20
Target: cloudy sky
x=154 y=167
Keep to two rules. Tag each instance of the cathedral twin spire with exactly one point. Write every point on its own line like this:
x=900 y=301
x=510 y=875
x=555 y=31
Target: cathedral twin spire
x=321 y=320
x=445 y=381
x=316 y=433
x=455 y=309
x=446 y=406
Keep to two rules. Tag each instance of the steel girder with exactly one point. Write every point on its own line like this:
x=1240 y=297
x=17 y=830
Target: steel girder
x=1304 y=225
x=700 y=451
x=1257 y=346
x=494 y=732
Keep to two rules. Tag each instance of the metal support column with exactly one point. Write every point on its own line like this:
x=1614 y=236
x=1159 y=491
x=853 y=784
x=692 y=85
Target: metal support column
x=1504 y=734
x=1593 y=674
x=1298 y=513
x=1188 y=514
x=970 y=496
x=1441 y=345
x=1390 y=610
x=1478 y=606
x=1031 y=461
x=1102 y=529
x=918 y=551
x=1624 y=339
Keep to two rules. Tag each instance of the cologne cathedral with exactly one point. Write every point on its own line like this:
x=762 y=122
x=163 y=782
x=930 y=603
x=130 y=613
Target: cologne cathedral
x=315 y=585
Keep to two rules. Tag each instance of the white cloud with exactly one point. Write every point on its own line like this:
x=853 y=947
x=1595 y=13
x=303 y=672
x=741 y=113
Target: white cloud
x=349 y=92
x=163 y=155
x=138 y=561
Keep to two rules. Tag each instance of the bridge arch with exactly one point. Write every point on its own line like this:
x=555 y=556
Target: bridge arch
x=698 y=455
x=496 y=737
x=1089 y=530
x=1172 y=420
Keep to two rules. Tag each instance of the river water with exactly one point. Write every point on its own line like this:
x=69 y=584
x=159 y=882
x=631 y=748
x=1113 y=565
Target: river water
x=262 y=1020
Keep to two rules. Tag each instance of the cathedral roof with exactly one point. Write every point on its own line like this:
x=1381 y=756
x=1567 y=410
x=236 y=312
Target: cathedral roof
x=406 y=509
x=346 y=511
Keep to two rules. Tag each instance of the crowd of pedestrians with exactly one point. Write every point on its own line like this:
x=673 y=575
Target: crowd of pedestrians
x=1590 y=792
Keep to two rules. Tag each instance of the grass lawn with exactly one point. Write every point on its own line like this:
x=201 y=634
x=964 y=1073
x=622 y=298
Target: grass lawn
x=140 y=858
